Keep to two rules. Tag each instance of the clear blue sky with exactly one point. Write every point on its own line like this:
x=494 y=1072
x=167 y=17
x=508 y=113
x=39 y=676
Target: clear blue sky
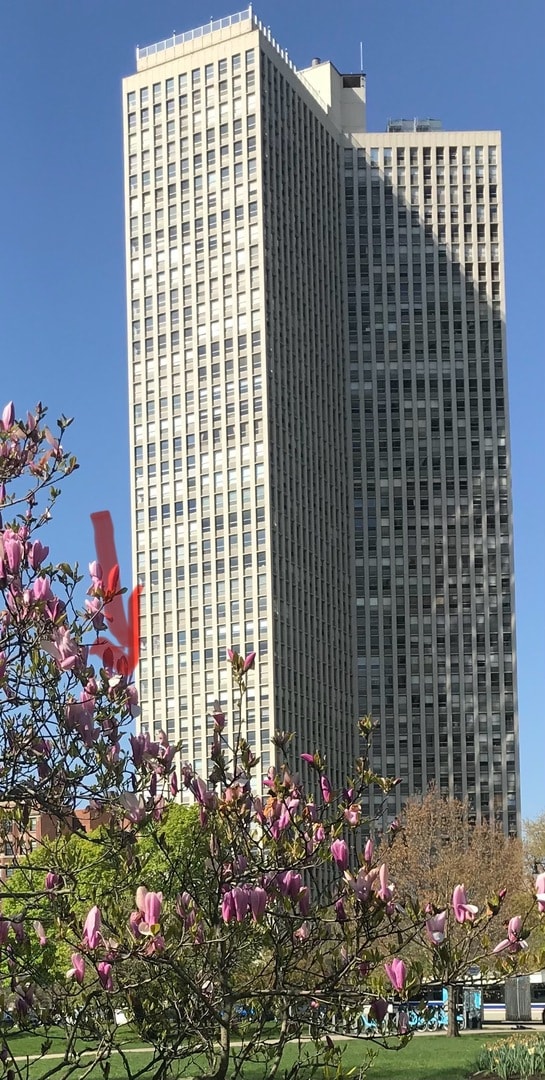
x=474 y=64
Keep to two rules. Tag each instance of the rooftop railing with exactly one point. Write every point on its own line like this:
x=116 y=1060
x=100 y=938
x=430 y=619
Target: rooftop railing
x=193 y=35
x=414 y=124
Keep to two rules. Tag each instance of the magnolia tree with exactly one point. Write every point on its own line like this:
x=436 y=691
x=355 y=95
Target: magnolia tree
x=277 y=919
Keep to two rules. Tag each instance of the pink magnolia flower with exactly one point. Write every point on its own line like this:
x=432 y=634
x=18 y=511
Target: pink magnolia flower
x=463 y=912
x=24 y=998
x=66 y=652
x=241 y=902
x=139 y=744
x=96 y=574
x=94 y=608
x=385 y=891
x=134 y=807
x=202 y=794
x=540 y=893
x=185 y=908
x=291 y=884
x=40 y=932
x=238 y=662
x=218 y=716
x=303 y=933
x=104 y=972
x=339 y=851
x=79 y=717
x=41 y=590
x=228 y=907
x=514 y=928
x=131 y=697
x=258 y=903
x=187 y=774
x=287 y=809
x=152 y=908
x=512 y=943
x=327 y=790
x=304 y=900
x=206 y=799
x=91 y=929
x=363 y=883
x=12 y=550
x=77 y=971
x=397 y=973
x=52 y=881
x=140 y=898
x=36 y=553
x=352 y=814
x=8 y=416
x=18 y=927
x=435 y=928
x=378 y=1009
x=369 y=850
x=135 y=921
x=309 y=758
x=155 y=944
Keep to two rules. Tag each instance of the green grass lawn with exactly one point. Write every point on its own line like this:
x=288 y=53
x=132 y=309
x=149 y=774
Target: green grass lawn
x=431 y=1057
x=23 y=1043
x=427 y=1057
x=38 y=1070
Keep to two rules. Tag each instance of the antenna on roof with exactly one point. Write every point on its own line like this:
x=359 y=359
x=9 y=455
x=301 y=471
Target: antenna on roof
x=361 y=57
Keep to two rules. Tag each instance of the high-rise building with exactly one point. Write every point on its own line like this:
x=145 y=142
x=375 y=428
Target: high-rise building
x=434 y=558
x=319 y=439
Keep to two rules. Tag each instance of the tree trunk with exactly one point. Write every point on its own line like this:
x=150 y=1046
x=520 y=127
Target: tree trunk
x=224 y=1052
x=219 y=1066
x=274 y=1064
x=452 y=1029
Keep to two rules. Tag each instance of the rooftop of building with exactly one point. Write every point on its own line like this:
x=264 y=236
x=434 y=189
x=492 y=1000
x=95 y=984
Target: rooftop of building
x=229 y=21
x=211 y=27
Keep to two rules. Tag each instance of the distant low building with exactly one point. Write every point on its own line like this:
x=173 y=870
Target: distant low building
x=16 y=842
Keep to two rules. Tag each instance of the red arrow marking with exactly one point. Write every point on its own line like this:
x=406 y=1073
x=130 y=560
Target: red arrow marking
x=125 y=630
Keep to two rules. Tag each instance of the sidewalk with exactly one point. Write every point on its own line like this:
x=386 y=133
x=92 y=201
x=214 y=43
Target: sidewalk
x=490 y=1026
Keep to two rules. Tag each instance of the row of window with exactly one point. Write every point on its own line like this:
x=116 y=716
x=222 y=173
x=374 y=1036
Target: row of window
x=232 y=215
x=192 y=78
x=193 y=99
x=185 y=164
x=376 y=156
x=184 y=122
